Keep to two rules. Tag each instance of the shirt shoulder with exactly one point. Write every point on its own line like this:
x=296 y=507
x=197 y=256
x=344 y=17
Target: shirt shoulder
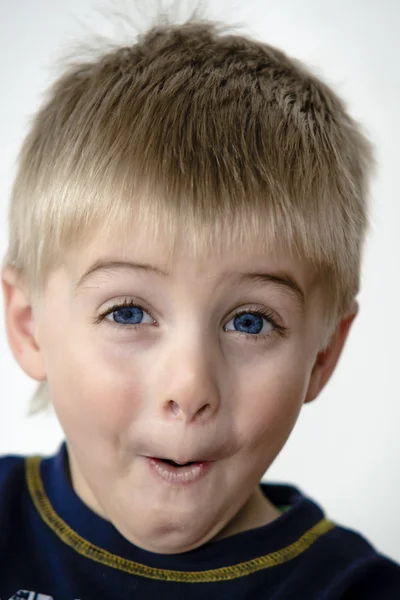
x=12 y=475
x=13 y=493
x=376 y=576
x=330 y=561
x=358 y=570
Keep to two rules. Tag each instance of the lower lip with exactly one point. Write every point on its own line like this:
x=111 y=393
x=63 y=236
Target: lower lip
x=178 y=475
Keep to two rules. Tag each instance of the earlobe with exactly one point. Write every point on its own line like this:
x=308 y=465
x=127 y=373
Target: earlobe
x=327 y=360
x=20 y=325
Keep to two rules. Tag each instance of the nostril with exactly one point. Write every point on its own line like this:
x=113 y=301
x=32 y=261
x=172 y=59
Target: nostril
x=202 y=410
x=173 y=407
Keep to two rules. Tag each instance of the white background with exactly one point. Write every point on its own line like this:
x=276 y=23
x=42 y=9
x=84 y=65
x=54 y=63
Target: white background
x=345 y=449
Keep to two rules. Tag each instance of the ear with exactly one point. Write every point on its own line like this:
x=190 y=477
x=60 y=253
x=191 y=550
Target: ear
x=326 y=361
x=20 y=325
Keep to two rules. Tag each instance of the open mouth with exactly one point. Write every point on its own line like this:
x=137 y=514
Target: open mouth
x=174 y=464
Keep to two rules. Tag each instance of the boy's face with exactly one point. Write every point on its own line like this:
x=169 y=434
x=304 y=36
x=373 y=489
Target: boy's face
x=190 y=382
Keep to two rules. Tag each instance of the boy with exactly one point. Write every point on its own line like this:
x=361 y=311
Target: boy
x=186 y=230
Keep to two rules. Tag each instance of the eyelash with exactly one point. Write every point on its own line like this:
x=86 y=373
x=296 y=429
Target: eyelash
x=277 y=328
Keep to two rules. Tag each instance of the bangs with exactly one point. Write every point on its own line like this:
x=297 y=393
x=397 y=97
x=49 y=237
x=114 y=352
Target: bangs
x=190 y=220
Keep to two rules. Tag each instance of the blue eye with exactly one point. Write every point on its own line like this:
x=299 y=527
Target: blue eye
x=131 y=316
x=252 y=322
x=128 y=314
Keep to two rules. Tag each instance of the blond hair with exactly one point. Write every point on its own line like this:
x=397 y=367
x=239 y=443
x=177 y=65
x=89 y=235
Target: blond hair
x=202 y=134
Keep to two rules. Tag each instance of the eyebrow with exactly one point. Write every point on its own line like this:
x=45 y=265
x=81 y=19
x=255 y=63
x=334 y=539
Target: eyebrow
x=285 y=281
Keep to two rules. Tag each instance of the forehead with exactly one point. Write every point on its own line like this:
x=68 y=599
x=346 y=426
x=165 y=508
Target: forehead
x=225 y=261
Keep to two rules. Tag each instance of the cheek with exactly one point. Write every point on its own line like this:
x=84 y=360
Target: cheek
x=269 y=402
x=92 y=386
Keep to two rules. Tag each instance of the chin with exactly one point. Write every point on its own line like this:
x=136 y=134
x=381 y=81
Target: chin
x=168 y=535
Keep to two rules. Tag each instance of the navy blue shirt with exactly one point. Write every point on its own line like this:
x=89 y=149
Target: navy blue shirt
x=52 y=546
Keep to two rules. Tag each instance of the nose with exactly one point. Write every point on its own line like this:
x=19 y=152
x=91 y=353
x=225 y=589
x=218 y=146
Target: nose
x=189 y=386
